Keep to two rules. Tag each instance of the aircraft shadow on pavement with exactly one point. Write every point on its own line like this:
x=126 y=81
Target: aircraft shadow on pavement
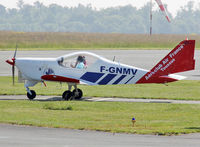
x=7 y=99
x=37 y=99
x=58 y=99
x=50 y=99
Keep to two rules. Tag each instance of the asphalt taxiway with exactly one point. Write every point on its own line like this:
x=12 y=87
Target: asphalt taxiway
x=26 y=136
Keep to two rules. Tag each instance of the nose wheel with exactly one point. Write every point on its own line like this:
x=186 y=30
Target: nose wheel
x=31 y=94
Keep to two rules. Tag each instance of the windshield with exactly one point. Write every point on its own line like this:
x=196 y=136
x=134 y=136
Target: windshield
x=79 y=61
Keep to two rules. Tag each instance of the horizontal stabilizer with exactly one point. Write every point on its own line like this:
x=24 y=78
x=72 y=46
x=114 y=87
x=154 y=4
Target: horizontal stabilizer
x=178 y=77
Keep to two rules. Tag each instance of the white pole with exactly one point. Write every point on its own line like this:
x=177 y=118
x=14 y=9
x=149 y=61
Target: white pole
x=151 y=17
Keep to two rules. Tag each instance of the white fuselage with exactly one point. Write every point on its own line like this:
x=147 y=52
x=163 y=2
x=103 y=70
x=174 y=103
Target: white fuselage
x=107 y=72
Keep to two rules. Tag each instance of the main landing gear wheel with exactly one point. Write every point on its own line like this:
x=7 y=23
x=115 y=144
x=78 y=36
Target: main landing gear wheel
x=77 y=94
x=32 y=95
x=67 y=95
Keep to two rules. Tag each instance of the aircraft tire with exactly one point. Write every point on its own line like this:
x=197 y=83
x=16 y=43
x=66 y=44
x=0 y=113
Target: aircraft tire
x=77 y=95
x=67 y=95
x=32 y=96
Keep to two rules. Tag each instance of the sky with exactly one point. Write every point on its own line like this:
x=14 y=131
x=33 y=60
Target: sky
x=173 y=5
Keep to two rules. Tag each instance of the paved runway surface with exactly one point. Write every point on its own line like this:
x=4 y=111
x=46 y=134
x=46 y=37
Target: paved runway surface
x=25 y=136
x=97 y=99
x=140 y=58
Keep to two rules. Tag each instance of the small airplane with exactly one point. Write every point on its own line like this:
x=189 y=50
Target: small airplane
x=91 y=69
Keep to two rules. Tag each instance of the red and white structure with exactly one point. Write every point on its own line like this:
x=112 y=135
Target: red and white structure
x=162 y=8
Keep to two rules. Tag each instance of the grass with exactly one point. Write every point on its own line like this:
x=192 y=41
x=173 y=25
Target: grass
x=81 y=41
x=60 y=106
x=181 y=90
x=160 y=119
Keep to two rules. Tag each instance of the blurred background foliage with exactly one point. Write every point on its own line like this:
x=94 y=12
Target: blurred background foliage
x=124 y=19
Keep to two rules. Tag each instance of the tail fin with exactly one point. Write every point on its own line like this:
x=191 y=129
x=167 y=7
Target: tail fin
x=180 y=59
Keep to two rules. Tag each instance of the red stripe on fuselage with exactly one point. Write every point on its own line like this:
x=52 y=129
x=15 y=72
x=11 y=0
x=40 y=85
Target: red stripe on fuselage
x=59 y=79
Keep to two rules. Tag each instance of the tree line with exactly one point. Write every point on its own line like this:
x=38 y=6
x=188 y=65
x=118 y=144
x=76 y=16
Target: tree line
x=123 y=19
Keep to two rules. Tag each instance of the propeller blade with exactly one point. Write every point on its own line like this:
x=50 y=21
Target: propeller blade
x=15 y=51
x=13 y=74
x=13 y=66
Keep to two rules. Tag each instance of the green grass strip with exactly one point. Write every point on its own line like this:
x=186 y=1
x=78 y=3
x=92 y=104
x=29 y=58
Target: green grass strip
x=161 y=119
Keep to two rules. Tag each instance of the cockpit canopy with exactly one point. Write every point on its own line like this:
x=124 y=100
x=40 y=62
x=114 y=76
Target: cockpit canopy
x=79 y=60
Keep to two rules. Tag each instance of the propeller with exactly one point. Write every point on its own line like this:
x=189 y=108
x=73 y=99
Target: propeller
x=13 y=65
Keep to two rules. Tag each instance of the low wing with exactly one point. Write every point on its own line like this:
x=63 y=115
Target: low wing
x=59 y=79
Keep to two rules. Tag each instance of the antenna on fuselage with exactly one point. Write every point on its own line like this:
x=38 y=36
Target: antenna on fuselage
x=113 y=58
